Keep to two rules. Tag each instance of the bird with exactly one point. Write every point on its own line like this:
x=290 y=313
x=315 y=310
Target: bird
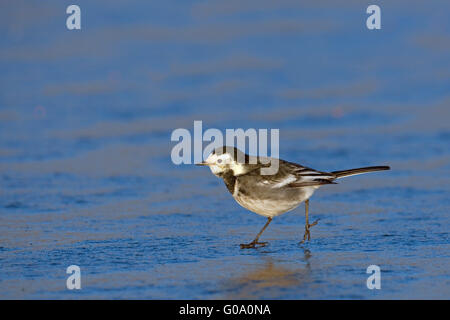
x=273 y=194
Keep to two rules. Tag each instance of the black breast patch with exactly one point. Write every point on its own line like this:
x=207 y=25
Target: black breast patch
x=230 y=181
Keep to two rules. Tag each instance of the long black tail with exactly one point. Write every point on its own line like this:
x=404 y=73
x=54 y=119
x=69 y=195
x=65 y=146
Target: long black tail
x=352 y=172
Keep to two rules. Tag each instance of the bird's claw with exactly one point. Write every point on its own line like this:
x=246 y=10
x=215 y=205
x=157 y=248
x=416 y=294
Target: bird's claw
x=314 y=223
x=253 y=244
x=307 y=235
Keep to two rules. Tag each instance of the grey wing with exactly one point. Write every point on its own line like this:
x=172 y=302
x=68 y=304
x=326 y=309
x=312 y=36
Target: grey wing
x=307 y=177
x=293 y=175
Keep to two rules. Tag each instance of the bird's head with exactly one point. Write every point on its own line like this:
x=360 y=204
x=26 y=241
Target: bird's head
x=227 y=160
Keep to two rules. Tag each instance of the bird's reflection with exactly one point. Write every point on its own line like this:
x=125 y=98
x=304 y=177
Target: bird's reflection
x=270 y=278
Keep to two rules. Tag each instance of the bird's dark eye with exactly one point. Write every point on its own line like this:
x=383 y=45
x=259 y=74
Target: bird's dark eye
x=219 y=161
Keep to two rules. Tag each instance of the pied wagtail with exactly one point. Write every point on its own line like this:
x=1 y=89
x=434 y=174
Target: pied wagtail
x=273 y=194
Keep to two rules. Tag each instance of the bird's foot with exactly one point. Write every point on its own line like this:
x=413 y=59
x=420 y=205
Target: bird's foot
x=253 y=244
x=307 y=235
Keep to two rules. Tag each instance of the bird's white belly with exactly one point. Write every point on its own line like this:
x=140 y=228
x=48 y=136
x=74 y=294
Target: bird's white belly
x=271 y=207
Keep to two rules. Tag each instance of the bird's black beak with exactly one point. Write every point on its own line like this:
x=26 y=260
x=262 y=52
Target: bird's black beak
x=202 y=164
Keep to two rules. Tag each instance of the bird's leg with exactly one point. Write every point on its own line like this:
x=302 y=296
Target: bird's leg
x=307 y=225
x=255 y=242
